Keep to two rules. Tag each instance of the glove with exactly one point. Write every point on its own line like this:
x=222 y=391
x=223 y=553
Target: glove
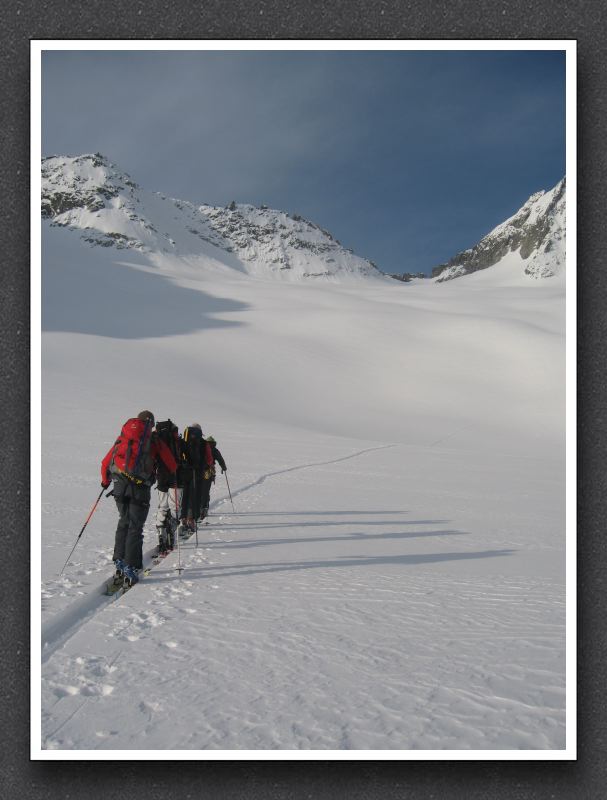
x=105 y=484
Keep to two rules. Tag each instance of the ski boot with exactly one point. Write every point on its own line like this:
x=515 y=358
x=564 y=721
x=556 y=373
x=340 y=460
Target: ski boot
x=171 y=526
x=117 y=581
x=130 y=576
x=162 y=544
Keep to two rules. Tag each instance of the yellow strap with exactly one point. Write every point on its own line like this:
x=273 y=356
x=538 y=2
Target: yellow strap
x=131 y=477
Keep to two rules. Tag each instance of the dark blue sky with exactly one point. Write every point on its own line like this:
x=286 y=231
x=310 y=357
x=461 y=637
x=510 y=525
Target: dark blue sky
x=406 y=157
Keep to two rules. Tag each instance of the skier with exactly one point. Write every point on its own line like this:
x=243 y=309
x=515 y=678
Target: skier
x=196 y=457
x=170 y=488
x=131 y=463
x=209 y=475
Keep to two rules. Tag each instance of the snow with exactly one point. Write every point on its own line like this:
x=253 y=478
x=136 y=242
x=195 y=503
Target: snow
x=391 y=576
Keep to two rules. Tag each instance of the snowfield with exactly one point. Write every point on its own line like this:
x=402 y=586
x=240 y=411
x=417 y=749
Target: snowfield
x=391 y=574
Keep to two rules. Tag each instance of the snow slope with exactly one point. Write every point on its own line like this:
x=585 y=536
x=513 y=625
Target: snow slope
x=393 y=575
x=535 y=235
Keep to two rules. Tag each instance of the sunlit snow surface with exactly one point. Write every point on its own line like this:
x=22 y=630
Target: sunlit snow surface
x=392 y=576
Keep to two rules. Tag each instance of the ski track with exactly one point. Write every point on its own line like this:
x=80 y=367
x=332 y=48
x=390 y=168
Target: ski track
x=263 y=478
x=57 y=631
x=426 y=677
x=448 y=669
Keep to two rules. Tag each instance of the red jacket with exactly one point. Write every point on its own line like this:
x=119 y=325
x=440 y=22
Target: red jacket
x=158 y=451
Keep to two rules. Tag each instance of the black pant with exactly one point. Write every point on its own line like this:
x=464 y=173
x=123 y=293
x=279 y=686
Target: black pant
x=205 y=494
x=133 y=503
x=190 y=501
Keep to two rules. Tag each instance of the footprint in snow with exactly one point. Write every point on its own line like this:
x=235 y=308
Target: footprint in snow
x=66 y=691
x=105 y=734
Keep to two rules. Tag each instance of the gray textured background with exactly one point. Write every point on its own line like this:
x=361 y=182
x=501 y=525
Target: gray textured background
x=584 y=20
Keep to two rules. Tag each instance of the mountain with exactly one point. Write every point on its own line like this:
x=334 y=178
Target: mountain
x=90 y=195
x=535 y=235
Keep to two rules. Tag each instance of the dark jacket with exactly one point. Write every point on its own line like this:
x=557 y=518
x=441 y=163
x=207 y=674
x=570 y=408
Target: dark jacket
x=217 y=457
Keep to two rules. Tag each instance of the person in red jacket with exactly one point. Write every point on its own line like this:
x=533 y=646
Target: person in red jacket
x=131 y=463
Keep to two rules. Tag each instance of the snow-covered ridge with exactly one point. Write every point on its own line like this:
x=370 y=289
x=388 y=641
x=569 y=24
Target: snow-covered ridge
x=92 y=196
x=536 y=233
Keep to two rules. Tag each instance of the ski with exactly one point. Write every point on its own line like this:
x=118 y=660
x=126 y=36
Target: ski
x=184 y=533
x=116 y=587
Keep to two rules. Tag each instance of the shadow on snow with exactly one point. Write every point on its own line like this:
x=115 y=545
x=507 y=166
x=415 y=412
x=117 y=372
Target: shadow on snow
x=103 y=298
x=245 y=544
x=305 y=513
x=349 y=561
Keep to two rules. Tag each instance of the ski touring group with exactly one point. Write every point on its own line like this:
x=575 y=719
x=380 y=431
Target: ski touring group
x=183 y=468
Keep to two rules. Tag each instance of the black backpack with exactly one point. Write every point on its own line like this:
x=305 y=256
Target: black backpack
x=167 y=432
x=194 y=447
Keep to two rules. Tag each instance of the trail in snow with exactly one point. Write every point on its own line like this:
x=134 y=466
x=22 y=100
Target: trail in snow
x=265 y=477
x=65 y=624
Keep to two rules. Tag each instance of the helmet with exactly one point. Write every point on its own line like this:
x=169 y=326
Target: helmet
x=146 y=415
x=210 y=440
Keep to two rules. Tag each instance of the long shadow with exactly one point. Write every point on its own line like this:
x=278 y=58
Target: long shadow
x=324 y=524
x=307 y=513
x=354 y=537
x=85 y=291
x=351 y=561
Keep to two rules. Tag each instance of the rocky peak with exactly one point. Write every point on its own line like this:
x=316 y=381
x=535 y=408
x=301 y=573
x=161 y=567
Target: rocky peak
x=91 y=196
x=85 y=181
x=536 y=232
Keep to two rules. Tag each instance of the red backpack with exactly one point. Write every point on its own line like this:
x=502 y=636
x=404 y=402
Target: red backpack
x=131 y=456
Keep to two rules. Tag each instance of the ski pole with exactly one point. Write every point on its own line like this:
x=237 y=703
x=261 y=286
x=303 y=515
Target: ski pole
x=92 y=511
x=197 y=514
x=173 y=529
x=179 y=529
x=178 y=533
x=229 y=492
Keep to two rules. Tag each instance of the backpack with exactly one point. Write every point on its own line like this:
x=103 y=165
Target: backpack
x=132 y=456
x=167 y=432
x=198 y=453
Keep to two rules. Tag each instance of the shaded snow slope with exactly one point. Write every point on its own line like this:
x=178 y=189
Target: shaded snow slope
x=392 y=577
x=535 y=235
x=94 y=198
